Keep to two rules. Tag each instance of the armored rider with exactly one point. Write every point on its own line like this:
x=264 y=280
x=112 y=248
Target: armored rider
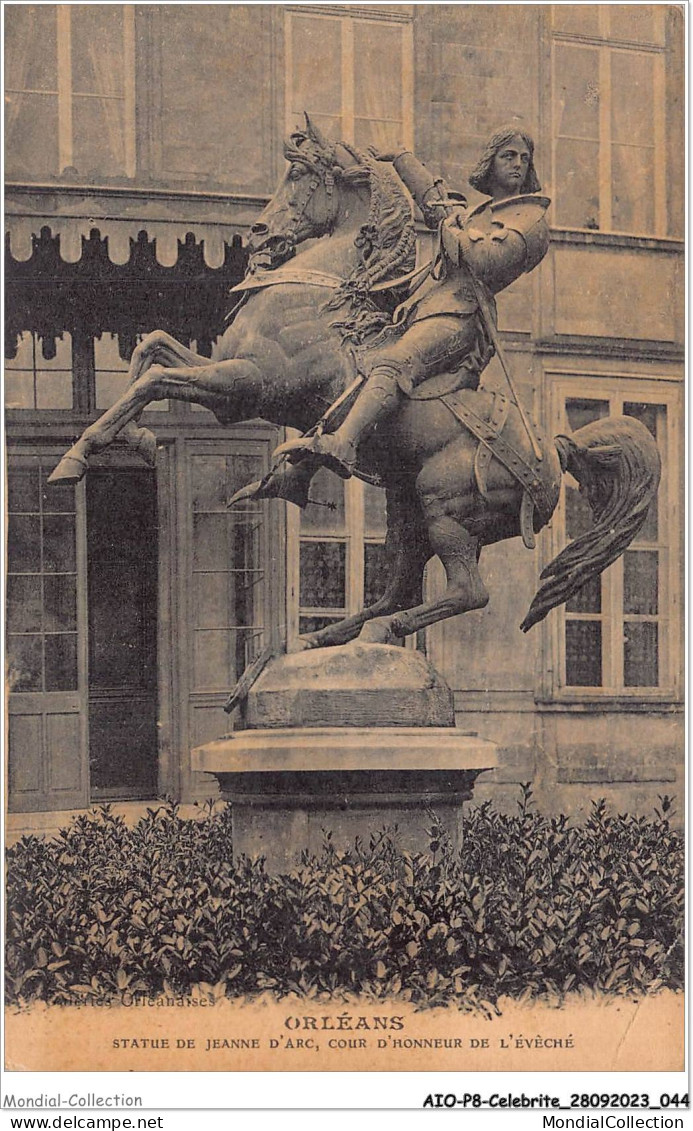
x=443 y=327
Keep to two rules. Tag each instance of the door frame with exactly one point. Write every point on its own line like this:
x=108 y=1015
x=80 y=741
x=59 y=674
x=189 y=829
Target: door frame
x=259 y=439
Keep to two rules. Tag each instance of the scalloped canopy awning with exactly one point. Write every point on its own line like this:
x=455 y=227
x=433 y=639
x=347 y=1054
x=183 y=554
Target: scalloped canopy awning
x=167 y=237
x=113 y=278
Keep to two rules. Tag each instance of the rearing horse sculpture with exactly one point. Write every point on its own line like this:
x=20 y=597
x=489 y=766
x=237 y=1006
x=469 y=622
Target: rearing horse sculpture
x=459 y=471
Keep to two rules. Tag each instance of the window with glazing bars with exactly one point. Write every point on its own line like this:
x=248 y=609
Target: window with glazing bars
x=352 y=72
x=41 y=605
x=228 y=581
x=609 y=130
x=70 y=89
x=618 y=633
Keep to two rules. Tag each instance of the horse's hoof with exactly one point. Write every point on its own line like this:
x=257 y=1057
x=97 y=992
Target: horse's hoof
x=145 y=446
x=376 y=632
x=301 y=644
x=70 y=470
x=250 y=491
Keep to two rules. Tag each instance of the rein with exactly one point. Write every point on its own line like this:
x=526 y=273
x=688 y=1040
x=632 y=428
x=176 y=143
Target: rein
x=280 y=275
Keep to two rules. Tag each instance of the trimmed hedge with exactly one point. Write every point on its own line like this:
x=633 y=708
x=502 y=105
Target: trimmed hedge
x=534 y=907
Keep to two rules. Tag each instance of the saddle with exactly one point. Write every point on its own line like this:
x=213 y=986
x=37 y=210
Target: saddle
x=463 y=403
x=525 y=469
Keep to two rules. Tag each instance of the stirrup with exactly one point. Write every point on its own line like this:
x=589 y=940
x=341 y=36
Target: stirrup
x=319 y=449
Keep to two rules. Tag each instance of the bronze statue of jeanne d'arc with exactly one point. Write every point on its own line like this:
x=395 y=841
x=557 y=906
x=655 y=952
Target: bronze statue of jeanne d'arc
x=448 y=323
x=451 y=490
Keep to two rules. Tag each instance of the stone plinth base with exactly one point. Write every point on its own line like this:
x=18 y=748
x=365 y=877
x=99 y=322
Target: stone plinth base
x=356 y=685
x=288 y=785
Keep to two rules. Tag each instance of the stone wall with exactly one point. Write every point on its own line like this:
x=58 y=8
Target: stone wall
x=598 y=304
x=476 y=69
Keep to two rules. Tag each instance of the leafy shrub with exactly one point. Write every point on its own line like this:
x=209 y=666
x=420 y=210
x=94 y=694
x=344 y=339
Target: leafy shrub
x=532 y=907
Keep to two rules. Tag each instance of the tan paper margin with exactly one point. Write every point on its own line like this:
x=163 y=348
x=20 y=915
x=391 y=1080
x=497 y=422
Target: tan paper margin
x=585 y=1035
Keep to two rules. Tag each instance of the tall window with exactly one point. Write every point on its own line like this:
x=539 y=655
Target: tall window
x=41 y=580
x=619 y=633
x=341 y=560
x=33 y=381
x=609 y=157
x=44 y=623
x=70 y=97
x=352 y=73
x=229 y=555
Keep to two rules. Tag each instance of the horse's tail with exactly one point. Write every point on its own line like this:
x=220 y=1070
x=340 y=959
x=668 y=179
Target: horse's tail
x=617 y=465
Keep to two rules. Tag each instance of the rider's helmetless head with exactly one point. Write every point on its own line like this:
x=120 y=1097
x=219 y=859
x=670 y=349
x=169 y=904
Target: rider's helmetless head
x=506 y=166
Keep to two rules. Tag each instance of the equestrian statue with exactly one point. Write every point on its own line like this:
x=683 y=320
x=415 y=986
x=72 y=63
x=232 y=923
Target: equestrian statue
x=378 y=363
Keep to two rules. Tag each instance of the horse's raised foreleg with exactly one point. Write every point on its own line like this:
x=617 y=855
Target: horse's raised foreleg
x=459 y=553
x=238 y=381
x=157 y=348
x=406 y=552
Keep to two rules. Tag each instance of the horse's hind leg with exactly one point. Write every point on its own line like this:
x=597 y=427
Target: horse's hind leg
x=406 y=579
x=459 y=552
x=406 y=552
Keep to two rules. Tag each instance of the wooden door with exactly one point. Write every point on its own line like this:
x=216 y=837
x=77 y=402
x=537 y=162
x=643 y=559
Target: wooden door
x=122 y=542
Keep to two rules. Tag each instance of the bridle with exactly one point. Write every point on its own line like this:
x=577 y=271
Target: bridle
x=302 y=202
x=284 y=246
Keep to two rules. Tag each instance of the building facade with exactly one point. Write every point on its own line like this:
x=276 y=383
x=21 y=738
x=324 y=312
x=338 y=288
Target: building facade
x=141 y=143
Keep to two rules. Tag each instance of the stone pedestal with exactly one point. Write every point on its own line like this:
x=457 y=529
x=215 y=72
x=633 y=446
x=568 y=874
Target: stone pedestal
x=331 y=745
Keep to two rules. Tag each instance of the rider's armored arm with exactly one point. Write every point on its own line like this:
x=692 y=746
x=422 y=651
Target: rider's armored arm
x=495 y=260
x=501 y=242
x=424 y=187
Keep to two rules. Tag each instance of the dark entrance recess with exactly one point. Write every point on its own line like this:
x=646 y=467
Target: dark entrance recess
x=122 y=589
x=48 y=295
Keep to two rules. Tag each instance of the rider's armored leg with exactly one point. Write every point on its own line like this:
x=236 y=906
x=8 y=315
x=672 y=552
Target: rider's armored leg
x=434 y=344
x=337 y=450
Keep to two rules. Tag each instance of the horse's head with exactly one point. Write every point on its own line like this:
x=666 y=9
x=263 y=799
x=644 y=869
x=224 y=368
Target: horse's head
x=306 y=204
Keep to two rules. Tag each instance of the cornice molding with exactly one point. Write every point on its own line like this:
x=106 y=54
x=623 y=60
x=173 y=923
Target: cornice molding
x=143 y=192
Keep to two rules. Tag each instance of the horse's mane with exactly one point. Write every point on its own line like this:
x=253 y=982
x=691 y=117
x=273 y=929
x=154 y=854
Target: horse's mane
x=386 y=242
